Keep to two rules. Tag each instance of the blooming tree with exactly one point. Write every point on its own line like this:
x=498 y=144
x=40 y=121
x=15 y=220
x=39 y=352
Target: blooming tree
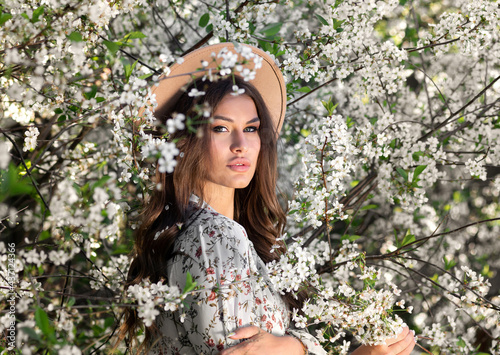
x=390 y=156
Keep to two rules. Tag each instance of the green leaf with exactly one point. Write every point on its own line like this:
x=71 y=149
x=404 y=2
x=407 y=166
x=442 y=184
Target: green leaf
x=305 y=89
x=265 y=45
x=349 y=122
x=44 y=235
x=37 y=13
x=4 y=18
x=71 y=302
x=61 y=120
x=271 y=29
x=305 y=132
x=43 y=322
x=448 y=264
x=409 y=238
x=108 y=322
x=209 y=28
x=369 y=207
x=113 y=47
x=322 y=20
x=145 y=76
x=486 y=272
x=134 y=35
x=91 y=94
x=97 y=330
x=337 y=24
x=31 y=333
x=75 y=37
x=25 y=16
x=252 y=27
x=100 y=182
x=461 y=343
x=329 y=106
x=396 y=238
x=416 y=156
x=403 y=173
x=12 y=184
x=129 y=69
x=204 y=20
x=190 y=284
x=337 y=3
x=418 y=170
x=350 y=238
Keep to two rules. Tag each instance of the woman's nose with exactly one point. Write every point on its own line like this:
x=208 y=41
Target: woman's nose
x=239 y=143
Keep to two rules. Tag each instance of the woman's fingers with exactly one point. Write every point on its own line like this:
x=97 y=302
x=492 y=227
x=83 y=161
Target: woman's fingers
x=251 y=334
x=245 y=332
x=258 y=341
x=400 y=337
x=403 y=346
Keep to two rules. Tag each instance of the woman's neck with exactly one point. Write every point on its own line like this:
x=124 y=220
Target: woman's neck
x=220 y=198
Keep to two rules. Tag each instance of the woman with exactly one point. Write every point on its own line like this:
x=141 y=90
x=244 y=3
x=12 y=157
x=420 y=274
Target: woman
x=217 y=217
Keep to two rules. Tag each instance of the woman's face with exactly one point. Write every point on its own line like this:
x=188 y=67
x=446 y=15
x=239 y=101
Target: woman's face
x=234 y=143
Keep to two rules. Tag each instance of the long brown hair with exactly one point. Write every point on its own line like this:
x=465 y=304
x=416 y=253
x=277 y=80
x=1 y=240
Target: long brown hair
x=256 y=207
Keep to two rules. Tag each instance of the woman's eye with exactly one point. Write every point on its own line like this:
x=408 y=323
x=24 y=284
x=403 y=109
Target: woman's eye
x=252 y=129
x=219 y=129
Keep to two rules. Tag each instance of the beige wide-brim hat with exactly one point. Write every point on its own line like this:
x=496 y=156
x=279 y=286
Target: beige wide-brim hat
x=268 y=79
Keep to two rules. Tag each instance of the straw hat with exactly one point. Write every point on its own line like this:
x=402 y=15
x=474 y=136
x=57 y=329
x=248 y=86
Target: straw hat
x=268 y=79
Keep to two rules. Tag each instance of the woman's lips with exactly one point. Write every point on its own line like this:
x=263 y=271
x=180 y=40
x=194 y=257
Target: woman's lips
x=240 y=165
x=239 y=168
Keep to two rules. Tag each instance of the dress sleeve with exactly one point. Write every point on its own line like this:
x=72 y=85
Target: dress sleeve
x=310 y=342
x=216 y=254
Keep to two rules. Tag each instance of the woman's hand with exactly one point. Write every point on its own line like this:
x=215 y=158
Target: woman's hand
x=259 y=342
x=403 y=344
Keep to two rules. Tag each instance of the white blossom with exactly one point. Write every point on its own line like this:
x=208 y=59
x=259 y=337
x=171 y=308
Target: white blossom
x=31 y=136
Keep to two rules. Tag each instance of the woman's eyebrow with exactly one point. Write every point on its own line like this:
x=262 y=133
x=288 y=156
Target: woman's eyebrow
x=223 y=118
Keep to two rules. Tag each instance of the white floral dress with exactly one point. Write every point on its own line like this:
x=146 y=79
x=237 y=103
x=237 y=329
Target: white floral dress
x=233 y=290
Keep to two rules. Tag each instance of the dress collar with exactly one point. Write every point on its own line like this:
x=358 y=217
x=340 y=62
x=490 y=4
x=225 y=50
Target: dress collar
x=195 y=200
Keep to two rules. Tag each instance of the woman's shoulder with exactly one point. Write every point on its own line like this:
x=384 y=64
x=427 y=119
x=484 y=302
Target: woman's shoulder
x=208 y=227
x=212 y=243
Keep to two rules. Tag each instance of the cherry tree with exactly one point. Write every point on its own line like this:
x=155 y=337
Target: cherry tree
x=390 y=155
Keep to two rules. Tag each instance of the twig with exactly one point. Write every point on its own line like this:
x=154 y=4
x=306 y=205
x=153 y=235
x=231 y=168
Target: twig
x=446 y=121
x=157 y=72
x=26 y=168
x=165 y=27
x=424 y=349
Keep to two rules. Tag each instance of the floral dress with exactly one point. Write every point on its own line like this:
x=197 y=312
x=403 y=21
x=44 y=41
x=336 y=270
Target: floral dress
x=233 y=290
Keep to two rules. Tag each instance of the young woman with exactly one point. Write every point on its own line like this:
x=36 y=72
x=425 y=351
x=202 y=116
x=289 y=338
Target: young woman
x=217 y=216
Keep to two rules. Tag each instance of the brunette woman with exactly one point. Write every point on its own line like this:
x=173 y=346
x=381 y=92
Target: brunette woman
x=217 y=217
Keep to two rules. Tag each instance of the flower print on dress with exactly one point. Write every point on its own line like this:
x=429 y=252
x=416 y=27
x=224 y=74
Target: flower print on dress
x=233 y=289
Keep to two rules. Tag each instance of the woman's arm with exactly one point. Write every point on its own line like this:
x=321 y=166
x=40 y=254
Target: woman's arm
x=403 y=344
x=259 y=342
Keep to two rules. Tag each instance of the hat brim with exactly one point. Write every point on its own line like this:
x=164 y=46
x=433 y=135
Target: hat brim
x=268 y=80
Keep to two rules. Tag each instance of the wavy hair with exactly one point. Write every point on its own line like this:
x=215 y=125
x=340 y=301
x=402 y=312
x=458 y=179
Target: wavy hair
x=256 y=207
